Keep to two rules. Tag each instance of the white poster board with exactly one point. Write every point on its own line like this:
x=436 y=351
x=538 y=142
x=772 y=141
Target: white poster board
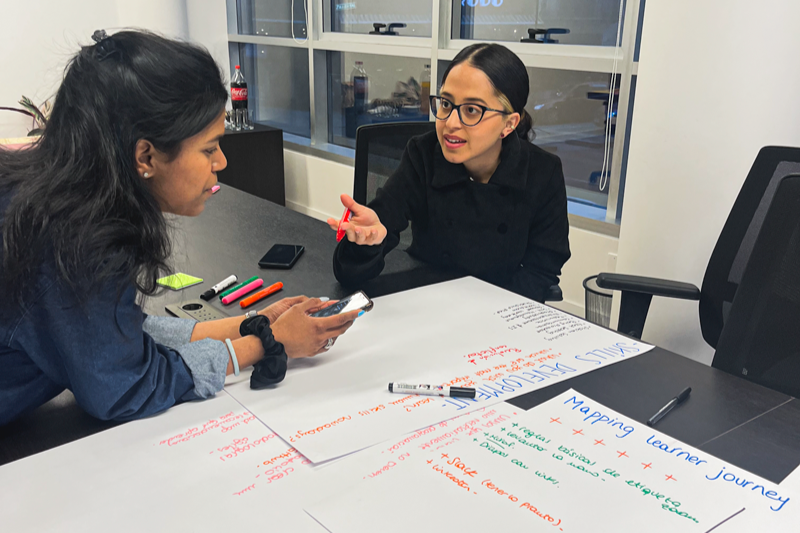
x=569 y=465
x=464 y=333
x=203 y=466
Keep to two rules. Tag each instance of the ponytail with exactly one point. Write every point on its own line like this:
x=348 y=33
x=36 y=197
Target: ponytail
x=525 y=126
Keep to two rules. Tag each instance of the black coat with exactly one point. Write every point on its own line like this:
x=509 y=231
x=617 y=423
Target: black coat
x=512 y=232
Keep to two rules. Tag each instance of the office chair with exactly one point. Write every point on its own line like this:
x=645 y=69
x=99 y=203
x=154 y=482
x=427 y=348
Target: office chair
x=750 y=300
x=379 y=148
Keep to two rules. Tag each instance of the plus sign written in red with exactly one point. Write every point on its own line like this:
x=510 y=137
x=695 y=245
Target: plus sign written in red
x=557 y=420
x=596 y=442
x=577 y=432
x=647 y=465
x=622 y=454
x=670 y=478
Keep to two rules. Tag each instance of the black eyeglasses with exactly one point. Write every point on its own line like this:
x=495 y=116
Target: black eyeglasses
x=468 y=114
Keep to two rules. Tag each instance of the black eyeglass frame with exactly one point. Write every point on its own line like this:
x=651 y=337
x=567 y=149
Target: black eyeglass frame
x=434 y=98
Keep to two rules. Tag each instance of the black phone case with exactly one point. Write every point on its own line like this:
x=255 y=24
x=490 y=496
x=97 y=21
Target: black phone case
x=283 y=266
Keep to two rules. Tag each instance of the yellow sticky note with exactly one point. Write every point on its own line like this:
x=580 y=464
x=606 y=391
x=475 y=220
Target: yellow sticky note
x=179 y=281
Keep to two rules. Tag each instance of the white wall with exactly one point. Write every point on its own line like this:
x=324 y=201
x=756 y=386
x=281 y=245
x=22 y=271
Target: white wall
x=208 y=26
x=37 y=38
x=710 y=94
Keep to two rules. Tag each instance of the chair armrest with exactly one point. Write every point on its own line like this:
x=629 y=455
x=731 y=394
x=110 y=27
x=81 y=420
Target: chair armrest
x=554 y=294
x=651 y=286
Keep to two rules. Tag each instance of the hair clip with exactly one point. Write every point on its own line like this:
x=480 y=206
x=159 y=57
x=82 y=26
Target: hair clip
x=105 y=46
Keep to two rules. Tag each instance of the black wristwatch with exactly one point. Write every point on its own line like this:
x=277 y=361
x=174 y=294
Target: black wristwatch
x=271 y=369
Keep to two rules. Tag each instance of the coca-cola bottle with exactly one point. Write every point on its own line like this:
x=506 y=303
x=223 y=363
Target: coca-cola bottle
x=240 y=117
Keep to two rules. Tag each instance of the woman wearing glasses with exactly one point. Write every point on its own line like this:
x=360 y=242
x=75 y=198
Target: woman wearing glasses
x=483 y=201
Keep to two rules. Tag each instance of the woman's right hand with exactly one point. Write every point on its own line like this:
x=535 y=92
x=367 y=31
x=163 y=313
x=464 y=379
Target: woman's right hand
x=306 y=336
x=364 y=227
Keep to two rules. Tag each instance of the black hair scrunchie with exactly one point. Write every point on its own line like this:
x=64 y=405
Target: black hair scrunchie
x=271 y=369
x=105 y=46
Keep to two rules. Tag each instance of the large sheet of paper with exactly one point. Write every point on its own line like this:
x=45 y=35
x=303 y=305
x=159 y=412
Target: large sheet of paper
x=463 y=333
x=569 y=465
x=205 y=466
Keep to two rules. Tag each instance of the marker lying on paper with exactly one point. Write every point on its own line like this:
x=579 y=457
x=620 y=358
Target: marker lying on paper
x=677 y=400
x=235 y=295
x=432 y=390
x=214 y=189
x=340 y=233
x=260 y=295
x=218 y=288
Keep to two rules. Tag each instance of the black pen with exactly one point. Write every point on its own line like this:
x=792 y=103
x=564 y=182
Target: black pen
x=677 y=400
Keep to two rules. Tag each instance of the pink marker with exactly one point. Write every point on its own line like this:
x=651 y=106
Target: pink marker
x=241 y=292
x=214 y=189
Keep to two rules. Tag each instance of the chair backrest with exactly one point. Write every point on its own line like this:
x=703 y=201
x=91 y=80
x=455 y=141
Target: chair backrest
x=379 y=148
x=736 y=242
x=761 y=338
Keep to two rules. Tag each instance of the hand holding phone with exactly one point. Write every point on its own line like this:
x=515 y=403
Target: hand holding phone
x=357 y=301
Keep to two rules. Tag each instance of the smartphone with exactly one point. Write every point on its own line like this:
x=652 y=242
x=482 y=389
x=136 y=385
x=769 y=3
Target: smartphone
x=281 y=256
x=355 y=301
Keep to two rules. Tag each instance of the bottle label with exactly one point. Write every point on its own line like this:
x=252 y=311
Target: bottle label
x=238 y=94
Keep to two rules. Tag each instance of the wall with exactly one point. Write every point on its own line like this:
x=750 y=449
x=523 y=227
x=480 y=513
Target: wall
x=38 y=37
x=704 y=106
x=207 y=25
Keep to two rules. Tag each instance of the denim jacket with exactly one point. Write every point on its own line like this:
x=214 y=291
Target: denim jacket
x=118 y=362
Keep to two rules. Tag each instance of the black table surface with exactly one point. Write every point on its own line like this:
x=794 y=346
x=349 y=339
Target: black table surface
x=748 y=425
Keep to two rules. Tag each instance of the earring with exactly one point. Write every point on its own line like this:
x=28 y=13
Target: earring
x=146 y=175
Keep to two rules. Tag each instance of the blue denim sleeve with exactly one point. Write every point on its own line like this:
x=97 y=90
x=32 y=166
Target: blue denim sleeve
x=169 y=330
x=100 y=351
x=207 y=359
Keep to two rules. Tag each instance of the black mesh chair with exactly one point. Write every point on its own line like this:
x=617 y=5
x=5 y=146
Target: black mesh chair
x=379 y=148
x=750 y=300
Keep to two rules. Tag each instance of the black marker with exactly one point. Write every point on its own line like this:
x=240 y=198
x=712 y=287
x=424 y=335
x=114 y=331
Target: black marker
x=219 y=287
x=677 y=400
x=432 y=390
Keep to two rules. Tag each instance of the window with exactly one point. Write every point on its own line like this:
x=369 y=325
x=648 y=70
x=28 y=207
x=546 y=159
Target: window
x=274 y=18
x=587 y=22
x=277 y=84
x=320 y=74
x=372 y=89
x=411 y=18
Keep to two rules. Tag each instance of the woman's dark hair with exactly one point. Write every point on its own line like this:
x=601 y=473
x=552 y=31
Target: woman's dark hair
x=76 y=196
x=506 y=72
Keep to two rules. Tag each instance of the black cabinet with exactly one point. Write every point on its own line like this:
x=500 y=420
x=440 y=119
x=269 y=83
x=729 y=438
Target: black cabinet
x=255 y=162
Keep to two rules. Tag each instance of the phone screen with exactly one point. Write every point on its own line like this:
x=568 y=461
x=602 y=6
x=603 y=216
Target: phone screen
x=281 y=255
x=353 y=302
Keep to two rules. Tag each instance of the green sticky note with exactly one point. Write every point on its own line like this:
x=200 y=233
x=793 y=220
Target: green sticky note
x=179 y=281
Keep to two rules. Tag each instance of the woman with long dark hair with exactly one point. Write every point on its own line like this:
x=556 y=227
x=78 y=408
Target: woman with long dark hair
x=133 y=134
x=482 y=200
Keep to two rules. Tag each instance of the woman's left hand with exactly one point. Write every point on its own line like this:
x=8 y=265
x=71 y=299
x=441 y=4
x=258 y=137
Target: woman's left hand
x=278 y=308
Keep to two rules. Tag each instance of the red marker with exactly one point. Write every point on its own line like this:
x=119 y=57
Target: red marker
x=340 y=233
x=260 y=295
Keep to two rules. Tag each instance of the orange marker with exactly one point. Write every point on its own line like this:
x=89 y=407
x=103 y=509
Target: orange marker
x=260 y=295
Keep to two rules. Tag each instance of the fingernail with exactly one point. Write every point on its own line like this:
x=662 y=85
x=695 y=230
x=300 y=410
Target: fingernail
x=323 y=299
x=360 y=313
